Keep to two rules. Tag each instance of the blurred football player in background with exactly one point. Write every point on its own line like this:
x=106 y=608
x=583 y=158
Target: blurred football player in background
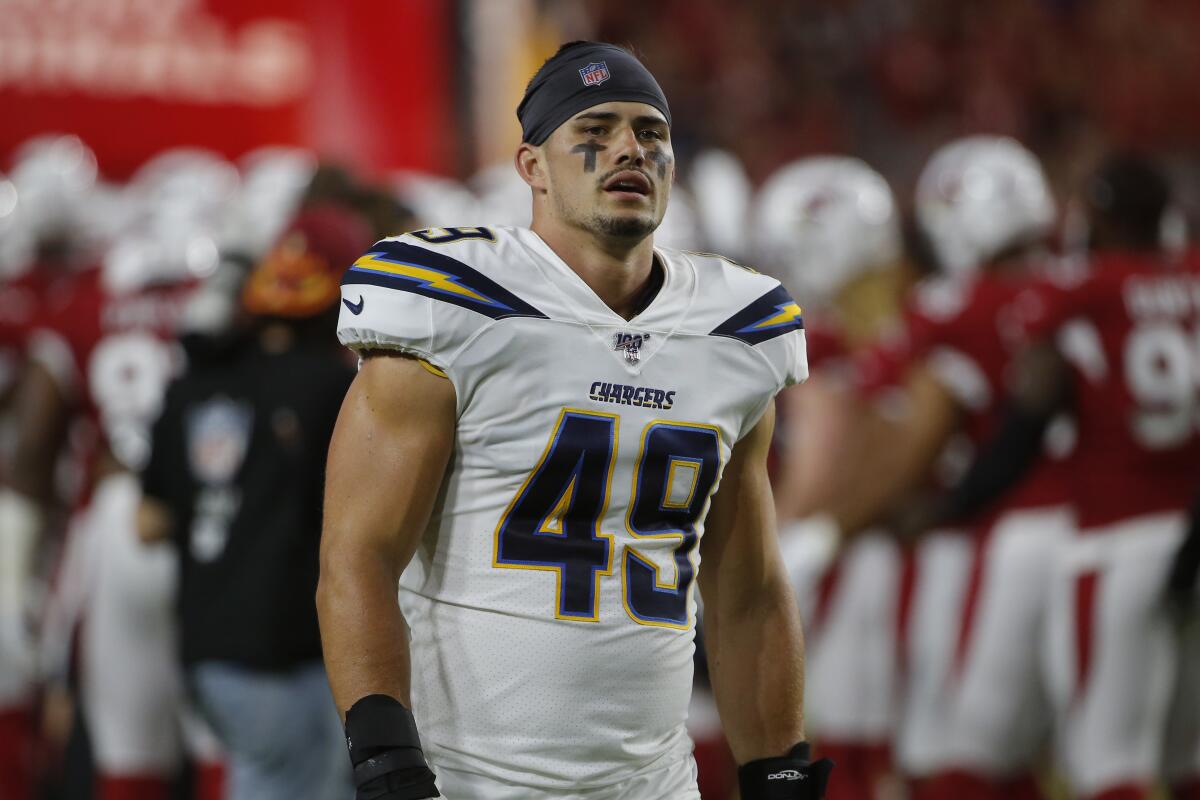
x=43 y=242
x=1122 y=679
x=974 y=721
x=984 y=207
x=104 y=355
x=549 y=416
x=830 y=228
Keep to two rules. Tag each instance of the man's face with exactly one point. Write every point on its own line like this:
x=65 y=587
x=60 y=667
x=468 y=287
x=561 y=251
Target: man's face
x=609 y=169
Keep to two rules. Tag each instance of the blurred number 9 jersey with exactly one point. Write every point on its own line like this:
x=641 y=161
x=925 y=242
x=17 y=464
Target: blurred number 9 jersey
x=551 y=600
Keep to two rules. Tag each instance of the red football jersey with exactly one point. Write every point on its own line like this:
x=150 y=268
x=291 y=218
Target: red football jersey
x=21 y=309
x=116 y=352
x=824 y=344
x=1137 y=399
x=967 y=332
x=826 y=350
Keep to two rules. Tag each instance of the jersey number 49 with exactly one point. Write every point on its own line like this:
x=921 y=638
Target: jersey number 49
x=554 y=521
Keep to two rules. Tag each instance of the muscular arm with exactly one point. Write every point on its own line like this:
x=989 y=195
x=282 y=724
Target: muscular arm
x=1041 y=388
x=752 y=626
x=820 y=418
x=895 y=455
x=41 y=411
x=387 y=458
x=41 y=414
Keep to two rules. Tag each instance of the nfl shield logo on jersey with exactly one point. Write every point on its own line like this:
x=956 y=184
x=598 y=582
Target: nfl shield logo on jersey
x=218 y=434
x=594 y=74
x=631 y=344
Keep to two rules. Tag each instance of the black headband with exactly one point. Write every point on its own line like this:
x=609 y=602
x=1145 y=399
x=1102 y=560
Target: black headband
x=579 y=78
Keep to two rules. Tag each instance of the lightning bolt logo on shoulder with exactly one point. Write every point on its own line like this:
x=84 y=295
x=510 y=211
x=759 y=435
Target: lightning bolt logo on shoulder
x=419 y=270
x=773 y=314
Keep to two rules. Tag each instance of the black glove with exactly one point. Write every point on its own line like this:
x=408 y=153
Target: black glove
x=385 y=749
x=789 y=777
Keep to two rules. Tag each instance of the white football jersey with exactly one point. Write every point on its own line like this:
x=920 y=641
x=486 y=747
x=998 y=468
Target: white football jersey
x=552 y=599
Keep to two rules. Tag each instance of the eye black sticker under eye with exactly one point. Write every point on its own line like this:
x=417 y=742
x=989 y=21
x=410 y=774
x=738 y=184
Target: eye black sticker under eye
x=661 y=162
x=589 y=150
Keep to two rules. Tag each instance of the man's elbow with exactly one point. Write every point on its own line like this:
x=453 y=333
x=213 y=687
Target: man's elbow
x=350 y=568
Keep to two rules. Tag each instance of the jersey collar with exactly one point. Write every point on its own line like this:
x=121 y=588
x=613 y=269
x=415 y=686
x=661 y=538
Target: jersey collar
x=663 y=316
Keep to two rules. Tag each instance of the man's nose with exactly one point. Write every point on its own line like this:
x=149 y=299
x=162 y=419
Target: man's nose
x=629 y=148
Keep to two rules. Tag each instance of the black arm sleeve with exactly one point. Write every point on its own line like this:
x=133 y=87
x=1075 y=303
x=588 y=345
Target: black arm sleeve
x=999 y=465
x=156 y=475
x=1181 y=584
x=1041 y=388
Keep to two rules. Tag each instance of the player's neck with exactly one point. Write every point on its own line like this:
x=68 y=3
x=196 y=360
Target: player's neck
x=617 y=270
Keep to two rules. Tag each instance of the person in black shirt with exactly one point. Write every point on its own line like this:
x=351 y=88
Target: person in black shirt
x=235 y=480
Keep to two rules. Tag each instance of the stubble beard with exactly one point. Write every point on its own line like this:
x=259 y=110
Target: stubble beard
x=632 y=228
x=625 y=228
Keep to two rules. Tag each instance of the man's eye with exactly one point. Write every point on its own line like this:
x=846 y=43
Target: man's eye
x=652 y=134
x=595 y=130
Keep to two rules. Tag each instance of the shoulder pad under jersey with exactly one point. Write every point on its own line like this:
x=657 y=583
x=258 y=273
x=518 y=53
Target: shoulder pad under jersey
x=742 y=304
x=425 y=293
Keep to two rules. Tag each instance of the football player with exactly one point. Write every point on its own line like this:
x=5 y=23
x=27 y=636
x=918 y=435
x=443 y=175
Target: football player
x=1112 y=652
x=551 y=427
x=104 y=356
x=831 y=226
x=985 y=208
x=42 y=219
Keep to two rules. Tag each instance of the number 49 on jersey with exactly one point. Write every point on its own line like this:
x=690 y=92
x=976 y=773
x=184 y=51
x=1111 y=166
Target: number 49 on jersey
x=554 y=522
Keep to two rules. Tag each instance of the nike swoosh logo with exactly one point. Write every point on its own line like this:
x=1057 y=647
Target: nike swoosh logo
x=355 y=308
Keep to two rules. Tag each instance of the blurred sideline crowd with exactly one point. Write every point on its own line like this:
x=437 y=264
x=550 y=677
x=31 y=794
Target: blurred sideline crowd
x=983 y=490
x=889 y=81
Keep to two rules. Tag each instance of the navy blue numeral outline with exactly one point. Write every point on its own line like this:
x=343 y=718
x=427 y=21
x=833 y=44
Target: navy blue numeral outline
x=428 y=236
x=648 y=599
x=548 y=516
x=513 y=530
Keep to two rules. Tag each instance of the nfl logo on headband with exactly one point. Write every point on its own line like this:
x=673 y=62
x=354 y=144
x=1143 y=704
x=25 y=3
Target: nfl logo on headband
x=594 y=74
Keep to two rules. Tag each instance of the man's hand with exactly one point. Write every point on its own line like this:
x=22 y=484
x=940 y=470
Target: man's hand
x=789 y=777
x=154 y=522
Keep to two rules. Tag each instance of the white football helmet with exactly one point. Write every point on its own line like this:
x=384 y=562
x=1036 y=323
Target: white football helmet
x=722 y=192
x=16 y=242
x=504 y=199
x=184 y=189
x=181 y=199
x=436 y=201
x=979 y=196
x=820 y=222
x=274 y=180
x=54 y=177
x=680 y=227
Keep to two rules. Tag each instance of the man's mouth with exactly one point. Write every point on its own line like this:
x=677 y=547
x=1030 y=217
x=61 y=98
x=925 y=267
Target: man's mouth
x=628 y=182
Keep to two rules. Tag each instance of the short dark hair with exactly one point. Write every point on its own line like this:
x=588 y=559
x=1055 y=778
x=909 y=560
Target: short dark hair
x=1127 y=197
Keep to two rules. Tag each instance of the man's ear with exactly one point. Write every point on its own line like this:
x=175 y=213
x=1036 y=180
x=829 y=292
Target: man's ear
x=530 y=166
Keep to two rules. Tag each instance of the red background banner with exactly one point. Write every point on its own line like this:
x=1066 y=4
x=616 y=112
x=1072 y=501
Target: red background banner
x=369 y=83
